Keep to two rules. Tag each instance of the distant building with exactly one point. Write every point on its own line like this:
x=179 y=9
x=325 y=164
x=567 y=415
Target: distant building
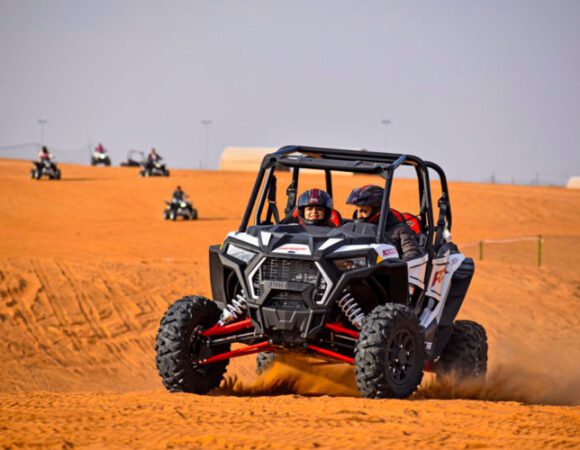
x=573 y=183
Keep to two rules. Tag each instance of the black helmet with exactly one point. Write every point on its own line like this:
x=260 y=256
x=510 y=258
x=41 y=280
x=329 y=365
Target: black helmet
x=315 y=197
x=369 y=195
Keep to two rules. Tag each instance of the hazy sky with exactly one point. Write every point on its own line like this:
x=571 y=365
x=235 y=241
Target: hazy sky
x=477 y=86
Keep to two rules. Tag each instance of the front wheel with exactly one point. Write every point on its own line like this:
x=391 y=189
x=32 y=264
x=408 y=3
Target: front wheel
x=390 y=353
x=179 y=346
x=465 y=355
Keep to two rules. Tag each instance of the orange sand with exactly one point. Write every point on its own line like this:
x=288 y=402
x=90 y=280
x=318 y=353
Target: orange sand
x=88 y=266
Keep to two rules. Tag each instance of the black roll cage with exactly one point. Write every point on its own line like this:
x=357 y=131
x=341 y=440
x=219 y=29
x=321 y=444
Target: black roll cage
x=356 y=161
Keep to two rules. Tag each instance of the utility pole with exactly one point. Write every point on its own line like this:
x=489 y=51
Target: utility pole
x=386 y=123
x=42 y=123
x=206 y=123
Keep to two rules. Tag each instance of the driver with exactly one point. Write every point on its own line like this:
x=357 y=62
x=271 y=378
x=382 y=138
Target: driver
x=45 y=157
x=152 y=158
x=179 y=195
x=315 y=208
x=367 y=200
x=100 y=149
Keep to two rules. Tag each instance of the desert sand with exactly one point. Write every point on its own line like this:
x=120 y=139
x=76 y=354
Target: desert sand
x=88 y=266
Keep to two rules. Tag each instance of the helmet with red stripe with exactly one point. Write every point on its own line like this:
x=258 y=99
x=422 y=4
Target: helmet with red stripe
x=315 y=197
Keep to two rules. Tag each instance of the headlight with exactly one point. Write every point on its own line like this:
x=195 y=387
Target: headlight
x=356 y=262
x=240 y=253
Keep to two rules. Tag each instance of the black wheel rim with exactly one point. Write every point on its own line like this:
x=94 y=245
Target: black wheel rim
x=401 y=355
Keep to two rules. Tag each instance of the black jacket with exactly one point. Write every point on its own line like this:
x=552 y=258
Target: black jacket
x=404 y=239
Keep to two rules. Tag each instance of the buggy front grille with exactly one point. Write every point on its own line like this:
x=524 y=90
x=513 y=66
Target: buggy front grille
x=291 y=270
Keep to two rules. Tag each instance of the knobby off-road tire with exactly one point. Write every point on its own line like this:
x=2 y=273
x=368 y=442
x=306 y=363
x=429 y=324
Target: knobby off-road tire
x=390 y=353
x=264 y=361
x=178 y=346
x=465 y=355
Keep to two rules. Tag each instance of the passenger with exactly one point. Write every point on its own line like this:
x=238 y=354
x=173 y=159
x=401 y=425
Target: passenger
x=368 y=200
x=315 y=208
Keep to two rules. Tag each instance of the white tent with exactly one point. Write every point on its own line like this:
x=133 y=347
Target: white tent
x=244 y=159
x=573 y=183
x=248 y=159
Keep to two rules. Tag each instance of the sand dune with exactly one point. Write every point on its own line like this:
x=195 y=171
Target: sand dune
x=88 y=266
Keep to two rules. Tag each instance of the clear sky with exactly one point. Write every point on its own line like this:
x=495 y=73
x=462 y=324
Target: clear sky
x=480 y=87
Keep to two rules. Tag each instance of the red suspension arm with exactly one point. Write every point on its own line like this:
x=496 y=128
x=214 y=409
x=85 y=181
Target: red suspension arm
x=226 y=329
x=249 y=350
x=338 y=328
x=330 y=353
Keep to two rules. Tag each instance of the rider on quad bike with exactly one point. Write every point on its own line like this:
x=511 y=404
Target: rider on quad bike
x=100 y=156
x=154 y=166
x=45 y=165
x=180 y=206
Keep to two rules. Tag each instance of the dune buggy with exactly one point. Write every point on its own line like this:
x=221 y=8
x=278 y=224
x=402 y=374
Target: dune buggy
x=340 y=294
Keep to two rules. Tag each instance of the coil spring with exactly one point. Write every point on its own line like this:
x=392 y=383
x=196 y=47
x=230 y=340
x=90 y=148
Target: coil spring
x=235 y=309
x=351 y=309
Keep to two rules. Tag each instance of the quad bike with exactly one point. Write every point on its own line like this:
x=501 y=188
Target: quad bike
x=179 y=208
x=100 y=158
x=340 y=294
x=46 y=168
x=154 y=169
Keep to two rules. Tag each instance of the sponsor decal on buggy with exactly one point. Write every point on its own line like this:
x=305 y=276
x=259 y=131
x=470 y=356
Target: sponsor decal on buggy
x=438 y=276
x=440 y=282
x=293 y=249
x=435 y=284
x=384 y=251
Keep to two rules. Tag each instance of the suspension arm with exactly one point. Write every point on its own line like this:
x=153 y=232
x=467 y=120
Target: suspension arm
x=338 y=328
x=227 y=329
x=330 y=353
x=249 y=350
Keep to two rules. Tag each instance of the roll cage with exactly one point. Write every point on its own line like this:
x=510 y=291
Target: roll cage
x=356 y=161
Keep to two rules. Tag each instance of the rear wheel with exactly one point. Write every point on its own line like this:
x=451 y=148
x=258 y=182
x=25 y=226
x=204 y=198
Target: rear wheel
x=179 y=346
x=465 y=355
x=390 y=353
